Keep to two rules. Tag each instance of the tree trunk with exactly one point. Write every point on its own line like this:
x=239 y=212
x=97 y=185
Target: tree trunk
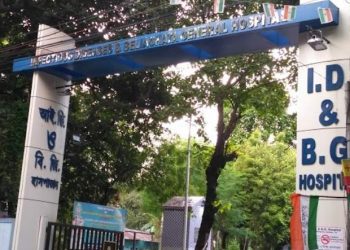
x=217 y=163
x=224 y=240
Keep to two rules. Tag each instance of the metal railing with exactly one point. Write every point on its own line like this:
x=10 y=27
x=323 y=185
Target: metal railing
x=133 y=240
x=70 y=237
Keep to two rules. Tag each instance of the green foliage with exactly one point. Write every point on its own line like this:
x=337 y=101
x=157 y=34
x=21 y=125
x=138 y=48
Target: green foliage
x=13 y=117
x=118 y=118
x=166 y=177
x=132 y=202
x=258 y=186
x=247 y=96
x=283 y=125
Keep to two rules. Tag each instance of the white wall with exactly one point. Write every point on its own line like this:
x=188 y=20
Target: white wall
x=321 y=129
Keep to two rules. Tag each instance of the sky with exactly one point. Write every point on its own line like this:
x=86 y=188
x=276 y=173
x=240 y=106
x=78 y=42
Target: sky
x=181 y=127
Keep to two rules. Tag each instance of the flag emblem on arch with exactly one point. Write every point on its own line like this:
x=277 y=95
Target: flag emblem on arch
x=219 y=6
x=289 y=12
x=325 y=15
x=269 y=9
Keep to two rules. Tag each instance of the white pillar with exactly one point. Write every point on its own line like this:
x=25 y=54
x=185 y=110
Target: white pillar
x=321 y=126
x=44 y=148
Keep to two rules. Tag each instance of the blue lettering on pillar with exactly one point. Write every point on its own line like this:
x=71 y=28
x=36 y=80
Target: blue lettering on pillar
x=302 y=182
x=338 y=155
x=330 y=69
x=327 y=116
x=327 y=181
x=310 y=181
x=334 y=181
x=51 y=140
x=319 y=181
x=308 y=146
x=310 y=80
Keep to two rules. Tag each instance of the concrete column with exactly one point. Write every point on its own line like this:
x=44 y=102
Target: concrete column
x=321 y=126
x=44 y=148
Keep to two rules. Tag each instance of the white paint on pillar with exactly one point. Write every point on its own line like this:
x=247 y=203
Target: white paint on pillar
x=312 y=95
x=44 y=148
x=321 y=126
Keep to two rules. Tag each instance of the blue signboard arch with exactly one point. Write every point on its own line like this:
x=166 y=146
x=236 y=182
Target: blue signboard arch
x=245 y=34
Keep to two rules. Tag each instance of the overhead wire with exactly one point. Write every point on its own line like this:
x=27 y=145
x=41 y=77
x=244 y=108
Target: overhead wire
x=109 y=21
x=61 y=43
x=88 y=37
x=33 y=41
x=91 y=36
x=94 y=35
x=103 y=12
x=75 y=21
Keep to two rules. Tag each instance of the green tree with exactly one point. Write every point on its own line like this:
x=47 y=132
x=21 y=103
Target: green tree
x=117 y=117
x=257 y=187
x=117 y=120
x=250 y=85
x=13 y=117
x=166 y=176
x=236 y=86
x=132 y=201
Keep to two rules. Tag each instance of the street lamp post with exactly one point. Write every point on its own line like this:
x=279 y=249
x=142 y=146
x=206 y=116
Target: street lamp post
x=187 y=184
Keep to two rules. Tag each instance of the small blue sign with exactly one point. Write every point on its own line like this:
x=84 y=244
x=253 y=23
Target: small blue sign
x=98 y=216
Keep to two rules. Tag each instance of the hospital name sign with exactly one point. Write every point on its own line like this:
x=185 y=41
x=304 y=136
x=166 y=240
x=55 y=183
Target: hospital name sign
x=212 y=29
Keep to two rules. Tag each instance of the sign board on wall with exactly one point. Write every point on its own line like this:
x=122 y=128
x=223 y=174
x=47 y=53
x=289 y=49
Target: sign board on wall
x=321 y=128
x=323 y=94
x=98 y=216
x=330 y=237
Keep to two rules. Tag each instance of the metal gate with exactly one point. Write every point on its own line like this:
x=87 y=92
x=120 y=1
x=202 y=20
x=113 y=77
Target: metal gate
x=69 y=237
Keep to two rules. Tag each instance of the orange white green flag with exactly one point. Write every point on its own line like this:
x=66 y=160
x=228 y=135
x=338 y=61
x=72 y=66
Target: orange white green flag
x=325 y=15
x=346 y=174
x=303 y=235
x=289 y=12
x=219 y=6
x=269 y=9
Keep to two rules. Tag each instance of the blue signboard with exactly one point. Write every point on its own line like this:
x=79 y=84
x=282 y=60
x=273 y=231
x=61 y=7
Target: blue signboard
x=98 y=216
x=242 y=34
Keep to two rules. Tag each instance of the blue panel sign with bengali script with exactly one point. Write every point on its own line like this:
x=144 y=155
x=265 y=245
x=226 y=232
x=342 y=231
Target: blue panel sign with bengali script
x=98 y=216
